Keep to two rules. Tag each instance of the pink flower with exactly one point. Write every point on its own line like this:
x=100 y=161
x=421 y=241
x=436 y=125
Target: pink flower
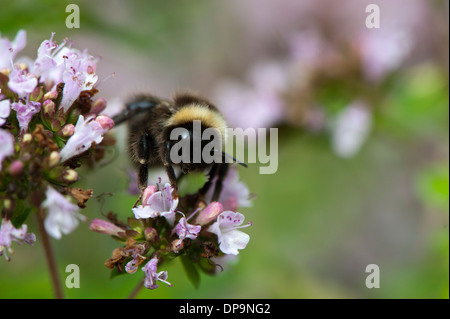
x=45 y=58
x=105 y=227
x=137 y=254
x=5 y=109
x=234 y=192
x=8 y=234
x=21 y=82
x=62 y=216
x=56 y=64
x=8 y=50
x=155 y=204
x=151 y=277
x=25 y=112
x=256 y=104
x=209 y=213
x=79 y=75
x=6 y=145
x=185 y=230
x=86 y=132
x=383 y=50
x=226 y=228
x=105 y=122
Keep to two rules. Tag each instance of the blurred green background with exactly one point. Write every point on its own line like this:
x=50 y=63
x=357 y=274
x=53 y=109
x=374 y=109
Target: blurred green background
x=321 y=218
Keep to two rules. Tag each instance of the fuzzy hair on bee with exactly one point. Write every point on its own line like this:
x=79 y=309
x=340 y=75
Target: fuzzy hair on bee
x=151 y=121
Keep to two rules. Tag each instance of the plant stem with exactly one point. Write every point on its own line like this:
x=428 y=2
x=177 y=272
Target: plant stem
x=50 y=257
x=136 y=289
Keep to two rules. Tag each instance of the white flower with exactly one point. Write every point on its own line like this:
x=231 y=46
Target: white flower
x=351 y=129
x=86 y=132
x=160 y=203
x=226 y=228
x=6 y=145
x=62 y=217
x=5 y=110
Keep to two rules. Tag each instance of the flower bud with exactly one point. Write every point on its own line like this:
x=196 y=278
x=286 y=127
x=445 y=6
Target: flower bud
x=53 y=159
x=49 y=108
x=56 y=125
x=8 y=205
x=70 y=176
x=27 y=138
x=67 y=130
x=36 y=94
x=176 y=245
x=98 y=106
x=209 y=214
x=105 y=227
x=105 y=122
x=16 y=168
x=149 y=191
x=52 y=95
x=151 y=235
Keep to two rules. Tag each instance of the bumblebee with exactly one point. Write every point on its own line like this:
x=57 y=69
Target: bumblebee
x=151 y=122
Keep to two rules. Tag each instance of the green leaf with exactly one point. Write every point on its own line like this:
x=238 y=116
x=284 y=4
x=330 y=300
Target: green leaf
x=418 y=103
x=208 y=266
x=115 y=272
x=432 y=185
x=191 y=271
x=18 y=220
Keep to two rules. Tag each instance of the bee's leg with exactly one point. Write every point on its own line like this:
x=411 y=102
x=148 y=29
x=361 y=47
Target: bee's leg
x=169 y=169
x=211 y=174
x=172 y=178
x=143 y=152
x=142 y=181
x=222 y=172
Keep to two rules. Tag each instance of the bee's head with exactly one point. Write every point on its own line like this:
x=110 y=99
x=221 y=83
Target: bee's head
x=193 y=146
x=194 y=134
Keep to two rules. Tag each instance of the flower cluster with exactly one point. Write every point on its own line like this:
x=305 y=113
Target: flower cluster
x=161 y=231
x=325 y=80
x=49 y=126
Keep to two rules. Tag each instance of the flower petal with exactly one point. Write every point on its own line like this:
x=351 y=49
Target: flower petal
x=230 y=219
x=232 y=241
x=5 y=108
x=144 y=212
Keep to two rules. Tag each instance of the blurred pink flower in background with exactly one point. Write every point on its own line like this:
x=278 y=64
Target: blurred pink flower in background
x=234 y=193
x=257 y=102
x=383 y=51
